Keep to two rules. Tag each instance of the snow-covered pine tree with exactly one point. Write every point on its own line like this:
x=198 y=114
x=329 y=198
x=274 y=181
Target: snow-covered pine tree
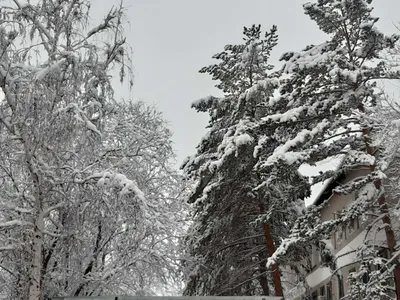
x=73 y=220
x=234 y=78
x=237 y=220
x=325 y=106
x=376 y=264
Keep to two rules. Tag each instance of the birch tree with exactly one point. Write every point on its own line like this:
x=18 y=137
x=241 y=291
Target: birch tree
x=71 y=221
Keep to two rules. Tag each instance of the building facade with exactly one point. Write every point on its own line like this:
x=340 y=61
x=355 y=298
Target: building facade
x=324 y=283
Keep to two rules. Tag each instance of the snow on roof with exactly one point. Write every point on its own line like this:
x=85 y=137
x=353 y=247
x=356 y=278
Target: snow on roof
x=329 y=164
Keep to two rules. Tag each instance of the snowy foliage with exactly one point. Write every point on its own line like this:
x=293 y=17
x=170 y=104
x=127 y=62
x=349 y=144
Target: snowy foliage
x=233 y=202
x=243 y=65
x=322 y=105
x=329 y=92
x=88 y=195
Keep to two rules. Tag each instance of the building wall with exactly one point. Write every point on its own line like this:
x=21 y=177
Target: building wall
x=342 y=243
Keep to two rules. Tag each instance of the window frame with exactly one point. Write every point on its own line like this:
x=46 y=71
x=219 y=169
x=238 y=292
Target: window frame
x=329 y=295
x=322 y=290
x=341 y=286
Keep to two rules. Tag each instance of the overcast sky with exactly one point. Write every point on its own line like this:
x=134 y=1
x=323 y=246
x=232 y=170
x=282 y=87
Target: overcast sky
x=173 y=39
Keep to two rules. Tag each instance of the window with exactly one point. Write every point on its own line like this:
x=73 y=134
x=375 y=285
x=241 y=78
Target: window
x=384 y=253
x=352 y=226
x=365 y=277
x=365 y=270
x=341 y=287
x=315 y=257
x=314 y=295
x=340 y=235
x=322 y=291
x=329 y=291
x=350 y=280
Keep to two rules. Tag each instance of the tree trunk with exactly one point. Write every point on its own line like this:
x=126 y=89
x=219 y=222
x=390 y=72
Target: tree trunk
x=276 y=276
x=35 y=276
x=383 y=206
x=263 y=279
x=36 y=271
x=264 y=285
x=93 y=260
x=390 y=237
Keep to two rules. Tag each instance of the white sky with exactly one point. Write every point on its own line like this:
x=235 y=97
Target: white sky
x=173 y=39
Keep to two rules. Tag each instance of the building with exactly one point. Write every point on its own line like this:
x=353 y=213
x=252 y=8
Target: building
x=323 y=283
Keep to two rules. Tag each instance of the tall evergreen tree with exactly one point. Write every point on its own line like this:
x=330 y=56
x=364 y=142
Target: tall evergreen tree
x=238 y=219
x=325 y=105
x=243 y=65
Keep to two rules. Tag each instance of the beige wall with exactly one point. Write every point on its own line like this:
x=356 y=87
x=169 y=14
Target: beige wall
x=335 y=204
